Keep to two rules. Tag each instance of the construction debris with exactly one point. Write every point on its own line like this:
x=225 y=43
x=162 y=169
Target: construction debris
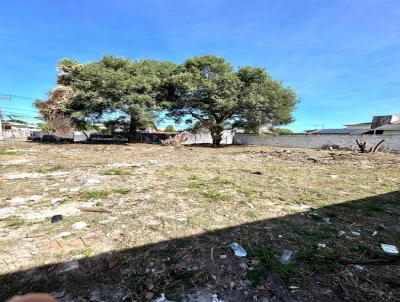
x=362 y=146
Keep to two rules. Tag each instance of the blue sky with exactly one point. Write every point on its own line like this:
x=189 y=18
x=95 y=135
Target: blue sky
x=342 y=57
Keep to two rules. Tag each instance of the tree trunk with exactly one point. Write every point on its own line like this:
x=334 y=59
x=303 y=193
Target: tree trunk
x=132 y=129
x=216 y=134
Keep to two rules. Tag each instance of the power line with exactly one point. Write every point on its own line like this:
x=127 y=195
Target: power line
x=8 y=96
x=20 y=109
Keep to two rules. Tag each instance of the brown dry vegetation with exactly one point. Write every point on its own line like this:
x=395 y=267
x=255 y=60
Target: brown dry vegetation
x=171 y=215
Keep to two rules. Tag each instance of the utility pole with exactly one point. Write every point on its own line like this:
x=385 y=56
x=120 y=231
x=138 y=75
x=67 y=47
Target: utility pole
x=3 y=97
x=1 y=126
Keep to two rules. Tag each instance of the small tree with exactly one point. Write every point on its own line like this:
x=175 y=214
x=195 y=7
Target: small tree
x=207 y=92
x=169 y=128
x=53 y=110
x=119 y=86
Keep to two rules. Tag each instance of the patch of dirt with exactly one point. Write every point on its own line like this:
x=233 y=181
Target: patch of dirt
x=171 y=214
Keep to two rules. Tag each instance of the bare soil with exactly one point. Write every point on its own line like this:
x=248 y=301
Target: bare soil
x=159 y=222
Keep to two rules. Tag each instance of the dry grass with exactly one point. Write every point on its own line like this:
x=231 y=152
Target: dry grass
x=158 y=194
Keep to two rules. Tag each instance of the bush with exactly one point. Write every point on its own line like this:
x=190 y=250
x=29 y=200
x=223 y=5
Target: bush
x=169 y=128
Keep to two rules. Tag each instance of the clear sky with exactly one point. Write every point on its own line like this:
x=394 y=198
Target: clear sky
x=342 y=57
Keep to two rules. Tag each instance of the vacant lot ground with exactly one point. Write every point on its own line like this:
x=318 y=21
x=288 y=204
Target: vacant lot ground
x=140 y=221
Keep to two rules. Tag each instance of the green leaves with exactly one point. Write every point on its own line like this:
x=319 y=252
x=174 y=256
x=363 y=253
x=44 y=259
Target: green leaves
x=217 y=97
x=205 y=90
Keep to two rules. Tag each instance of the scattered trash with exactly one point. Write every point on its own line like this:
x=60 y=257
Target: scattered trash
x=56 y=201
x=64 y=234
x=56 y=218
x=358 y=267
x=149 y=295
x=214 y=298
x=334 y=176
x=355 y=233
x=222 y=256
x=341 y=233
x=77 y=189
x=390 y=249
x=238 y=249
x=374 y=233
x=68 y=266
x=256 y=173
x=79 y=225
x=287 y=256
x=322 y=245
x=59 y=295
x=327 y=220
x=161 y=298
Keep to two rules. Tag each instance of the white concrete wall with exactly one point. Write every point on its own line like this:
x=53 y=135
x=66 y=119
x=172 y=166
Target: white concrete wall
x=392 y=142
x=205 y=138
x=16 y=134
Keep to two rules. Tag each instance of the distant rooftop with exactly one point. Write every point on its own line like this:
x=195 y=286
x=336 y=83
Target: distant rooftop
x=338 y=131
x=390 y=127
x=357 y=124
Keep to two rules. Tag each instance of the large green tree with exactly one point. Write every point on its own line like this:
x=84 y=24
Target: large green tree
x=215 y=96
x=115 y=86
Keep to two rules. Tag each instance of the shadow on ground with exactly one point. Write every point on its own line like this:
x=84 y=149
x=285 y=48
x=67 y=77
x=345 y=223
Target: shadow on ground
x=352 y=266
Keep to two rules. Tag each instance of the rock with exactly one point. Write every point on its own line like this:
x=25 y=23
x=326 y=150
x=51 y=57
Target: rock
x=5 y=212
x=79 y=225
x=18 y=200
x=222 y=256
x=16 y=162
x=92 y=181
x=35 y=198
x=21 y=200
x=56 y=218
x=358 y=268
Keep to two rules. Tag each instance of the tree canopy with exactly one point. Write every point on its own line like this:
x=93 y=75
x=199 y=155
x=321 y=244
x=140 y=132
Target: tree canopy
x=205 y=92
x=119 y=86
x=215 y=96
